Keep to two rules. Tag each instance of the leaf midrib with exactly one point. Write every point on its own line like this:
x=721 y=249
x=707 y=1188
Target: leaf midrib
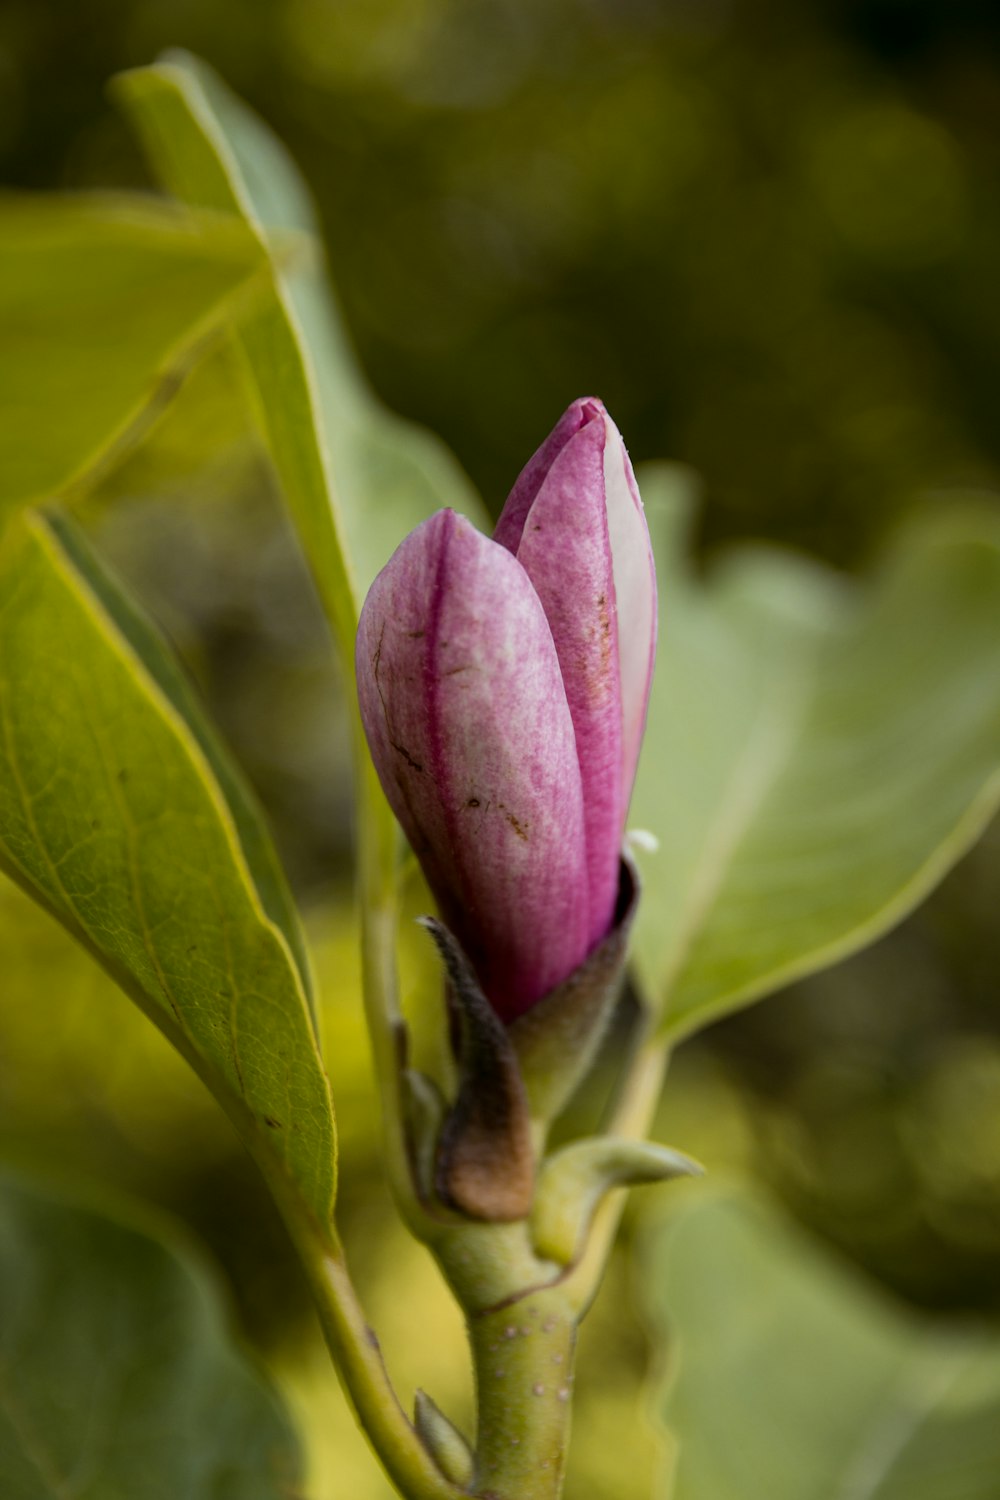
x=754 y=772
x=49 y=543
x=32 y=1447
x=171 y=716
x=178 y=361
x=909 y=1405
x=343 y=620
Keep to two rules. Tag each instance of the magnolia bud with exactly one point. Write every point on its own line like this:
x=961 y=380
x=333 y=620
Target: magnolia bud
x=503 y=688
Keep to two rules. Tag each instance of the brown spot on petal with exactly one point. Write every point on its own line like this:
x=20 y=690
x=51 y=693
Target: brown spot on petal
x=411 y=760
x=604 y=624
x=414 y=764
x=517 y=827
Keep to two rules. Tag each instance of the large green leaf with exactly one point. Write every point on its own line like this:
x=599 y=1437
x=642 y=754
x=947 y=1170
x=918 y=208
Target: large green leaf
x=817 y=755
x=356 y=479
x=103 y=302
x=118 y=1380
x=120 y=812
x=788 y=1378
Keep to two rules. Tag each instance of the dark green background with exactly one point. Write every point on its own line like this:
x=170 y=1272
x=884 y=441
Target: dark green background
x=765 y=232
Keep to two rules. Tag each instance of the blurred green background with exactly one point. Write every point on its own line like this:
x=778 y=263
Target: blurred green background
x=767 y=234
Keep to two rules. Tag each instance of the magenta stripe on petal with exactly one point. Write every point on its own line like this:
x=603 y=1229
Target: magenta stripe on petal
x=564 y=548
x=465 y=712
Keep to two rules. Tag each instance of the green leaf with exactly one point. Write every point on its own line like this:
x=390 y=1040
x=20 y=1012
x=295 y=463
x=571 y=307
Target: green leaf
x=790 y=1378
x=355 y=478
x=118 y=1379
x=817 y=756
x=104 y=302
x=198 y=451
x=120 y=812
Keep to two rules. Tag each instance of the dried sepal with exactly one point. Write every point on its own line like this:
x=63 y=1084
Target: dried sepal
x=485 y=1157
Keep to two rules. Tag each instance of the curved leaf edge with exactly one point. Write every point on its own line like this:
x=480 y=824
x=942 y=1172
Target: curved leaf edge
x=147 y=211
x=972 y=523
x=188 y=1257
x=161 y=669
x=241 y=1116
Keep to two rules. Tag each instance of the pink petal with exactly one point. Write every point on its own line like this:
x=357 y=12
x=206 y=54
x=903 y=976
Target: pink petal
x=469 y=728
x=575 y=521
x=635 y=594
x=563 y=545
x=510 y=526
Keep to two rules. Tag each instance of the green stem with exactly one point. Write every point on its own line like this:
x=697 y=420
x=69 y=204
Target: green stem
x=523 y=1358
x=351 y=1341
x=358 y=1359
x=521 y=1318
x=378 y=903
x=631 y=1118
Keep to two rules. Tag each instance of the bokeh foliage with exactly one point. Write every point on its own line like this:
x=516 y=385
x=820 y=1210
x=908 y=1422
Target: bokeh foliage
x=763 y=232
x=891 y=1408
x=169 y=1408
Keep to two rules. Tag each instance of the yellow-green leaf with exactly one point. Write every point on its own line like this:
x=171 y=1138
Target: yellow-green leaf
x=103 y=304
x=120 y=812
x=818 y=755
x=355 y=478
x=789 y=1378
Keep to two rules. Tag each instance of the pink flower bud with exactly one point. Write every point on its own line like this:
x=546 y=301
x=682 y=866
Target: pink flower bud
x=503 y=688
